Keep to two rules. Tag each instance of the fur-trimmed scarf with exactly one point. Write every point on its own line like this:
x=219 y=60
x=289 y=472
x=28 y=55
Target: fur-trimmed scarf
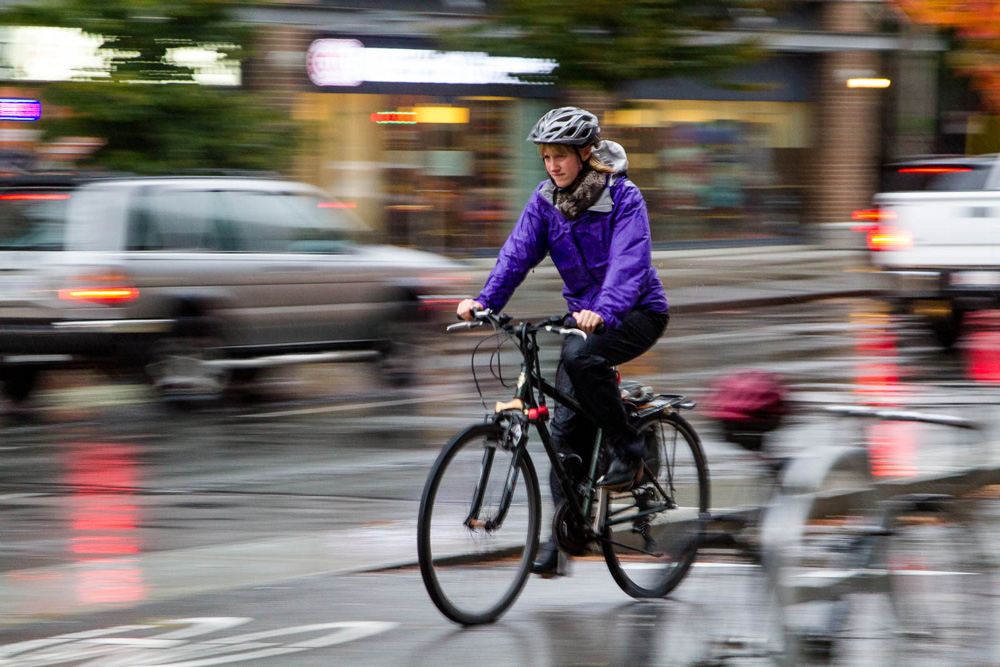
x=574 y=203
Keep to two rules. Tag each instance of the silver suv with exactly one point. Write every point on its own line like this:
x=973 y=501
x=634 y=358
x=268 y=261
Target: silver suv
x=197 y=279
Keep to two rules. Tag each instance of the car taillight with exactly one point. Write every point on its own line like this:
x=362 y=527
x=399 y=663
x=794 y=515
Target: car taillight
x=872 y=215
x=934 y=170
x=884 y=237
x=108 y=295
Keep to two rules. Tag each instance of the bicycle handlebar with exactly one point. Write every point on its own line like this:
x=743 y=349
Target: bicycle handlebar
x=563 y=325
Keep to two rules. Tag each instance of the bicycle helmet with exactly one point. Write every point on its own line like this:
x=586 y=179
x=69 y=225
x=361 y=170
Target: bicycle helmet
x=566 y=125
x=748 y=404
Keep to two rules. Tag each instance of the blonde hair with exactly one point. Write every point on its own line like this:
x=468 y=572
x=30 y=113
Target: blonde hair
x=563 y=149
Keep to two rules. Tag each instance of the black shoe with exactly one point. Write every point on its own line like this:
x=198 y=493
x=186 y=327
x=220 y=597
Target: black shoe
x=622 y=472
x=550 y=561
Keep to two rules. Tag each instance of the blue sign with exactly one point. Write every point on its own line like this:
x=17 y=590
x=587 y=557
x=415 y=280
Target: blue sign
x=19 y=108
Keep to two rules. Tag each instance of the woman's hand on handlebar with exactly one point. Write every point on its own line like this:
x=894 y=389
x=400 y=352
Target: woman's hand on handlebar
x=466 y=307
x=587 y=321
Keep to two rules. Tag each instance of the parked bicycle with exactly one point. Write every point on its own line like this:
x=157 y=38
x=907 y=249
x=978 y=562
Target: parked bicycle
x=858 y=565
x=872 y=568
x=480 y=513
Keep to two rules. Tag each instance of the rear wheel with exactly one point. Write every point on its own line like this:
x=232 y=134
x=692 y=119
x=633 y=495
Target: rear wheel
x=651 y=534
x=475 y=545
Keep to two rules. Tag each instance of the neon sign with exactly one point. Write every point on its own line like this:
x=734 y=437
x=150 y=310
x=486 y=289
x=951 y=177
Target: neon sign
x=394 y=118
x=347 y=62
x=17 y=108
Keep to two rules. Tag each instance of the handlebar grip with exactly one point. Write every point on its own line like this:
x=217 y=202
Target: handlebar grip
x=570 y=322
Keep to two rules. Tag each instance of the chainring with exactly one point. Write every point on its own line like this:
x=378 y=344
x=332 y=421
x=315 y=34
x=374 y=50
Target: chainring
x=569 y=535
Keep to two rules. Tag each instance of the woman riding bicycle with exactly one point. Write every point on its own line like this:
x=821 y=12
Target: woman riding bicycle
x=592 y=220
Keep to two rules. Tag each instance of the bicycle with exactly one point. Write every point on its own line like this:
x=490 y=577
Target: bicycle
x=854 y=566
x=890 y=571
x=480 y=512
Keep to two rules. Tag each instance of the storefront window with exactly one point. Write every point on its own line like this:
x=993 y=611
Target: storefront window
x=712 y=172
x=451 y=174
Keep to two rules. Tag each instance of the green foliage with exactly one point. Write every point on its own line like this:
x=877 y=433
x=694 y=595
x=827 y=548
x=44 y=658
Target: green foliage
x=159 y=128
x=604 y=43
x=150 y=114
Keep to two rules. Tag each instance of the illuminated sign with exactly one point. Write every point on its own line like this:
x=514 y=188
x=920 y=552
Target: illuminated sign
x=424 y=115
x=17 y=108
x=394 y=118
x=347 y=62
x=868 y=83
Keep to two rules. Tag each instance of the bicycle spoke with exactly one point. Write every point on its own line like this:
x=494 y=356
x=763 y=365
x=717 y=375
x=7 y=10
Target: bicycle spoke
x=650 y=537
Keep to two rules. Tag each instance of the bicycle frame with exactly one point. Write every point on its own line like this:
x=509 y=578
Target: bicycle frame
x=529 y=382
x=524 y=410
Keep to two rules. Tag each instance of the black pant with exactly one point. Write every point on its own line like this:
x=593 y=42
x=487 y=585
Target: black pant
x=586 y=373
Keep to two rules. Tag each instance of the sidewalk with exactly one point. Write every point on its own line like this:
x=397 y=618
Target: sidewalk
x=709 y=279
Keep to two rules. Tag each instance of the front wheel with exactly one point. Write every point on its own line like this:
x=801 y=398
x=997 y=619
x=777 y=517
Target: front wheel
x=181 y=369
x=477 y=531
x=651 y=533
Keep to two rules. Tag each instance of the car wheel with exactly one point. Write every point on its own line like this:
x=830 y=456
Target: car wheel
x=401 y=350
x=947 y=328
x=180 y=366
x=18 y=382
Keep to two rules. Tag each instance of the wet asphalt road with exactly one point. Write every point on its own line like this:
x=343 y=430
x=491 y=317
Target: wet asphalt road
x=256 y=518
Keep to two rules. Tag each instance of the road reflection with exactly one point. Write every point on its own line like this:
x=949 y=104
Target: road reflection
x=103 y=520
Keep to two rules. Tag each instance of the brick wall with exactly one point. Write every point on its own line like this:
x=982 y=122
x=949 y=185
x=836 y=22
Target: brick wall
x=276 y=67
x=845 y=166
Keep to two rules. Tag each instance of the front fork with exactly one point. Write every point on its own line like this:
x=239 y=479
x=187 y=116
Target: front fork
x=514 y=439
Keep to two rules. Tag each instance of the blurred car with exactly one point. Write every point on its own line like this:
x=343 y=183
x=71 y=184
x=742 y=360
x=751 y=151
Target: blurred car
x=935 y=235
x=196 y=280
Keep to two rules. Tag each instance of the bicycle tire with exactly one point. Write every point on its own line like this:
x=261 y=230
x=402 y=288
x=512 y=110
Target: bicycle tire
x=652 y=557
x=473 y=574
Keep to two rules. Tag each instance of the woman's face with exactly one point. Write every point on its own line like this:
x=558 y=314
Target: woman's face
x=562 y=163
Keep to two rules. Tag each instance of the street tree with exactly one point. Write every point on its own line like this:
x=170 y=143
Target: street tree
x=974 y=26
x=155 y=102
x=601 y=44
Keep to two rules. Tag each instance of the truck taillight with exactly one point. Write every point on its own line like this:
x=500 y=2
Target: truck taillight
x=884 y=237
x=872 y=215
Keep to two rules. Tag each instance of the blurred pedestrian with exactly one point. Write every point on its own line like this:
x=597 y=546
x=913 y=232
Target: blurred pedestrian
x=592 y=220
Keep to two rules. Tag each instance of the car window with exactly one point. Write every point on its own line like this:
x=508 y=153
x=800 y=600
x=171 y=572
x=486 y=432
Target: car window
x=172 y=219
x=253 y=221
x=930 y=177
x=33 y=219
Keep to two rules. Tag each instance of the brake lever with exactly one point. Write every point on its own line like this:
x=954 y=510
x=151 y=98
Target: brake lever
x=464 y=325
x=566 y=331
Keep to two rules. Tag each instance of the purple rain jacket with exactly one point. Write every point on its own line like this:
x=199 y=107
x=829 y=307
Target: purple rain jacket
x=603 y=257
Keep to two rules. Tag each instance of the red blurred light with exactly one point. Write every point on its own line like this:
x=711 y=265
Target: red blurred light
x=889 y=238
x=99 y=295
x=892 y=449
x=933 y=170
x=394 y=117
x=34 y=197
x=872 y=215
x=337 y=204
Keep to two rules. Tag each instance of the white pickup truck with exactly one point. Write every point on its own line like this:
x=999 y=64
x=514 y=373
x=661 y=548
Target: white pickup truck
x=935 y=235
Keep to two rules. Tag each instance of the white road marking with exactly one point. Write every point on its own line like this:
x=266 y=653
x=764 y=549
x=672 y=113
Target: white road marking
x=106 y=647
